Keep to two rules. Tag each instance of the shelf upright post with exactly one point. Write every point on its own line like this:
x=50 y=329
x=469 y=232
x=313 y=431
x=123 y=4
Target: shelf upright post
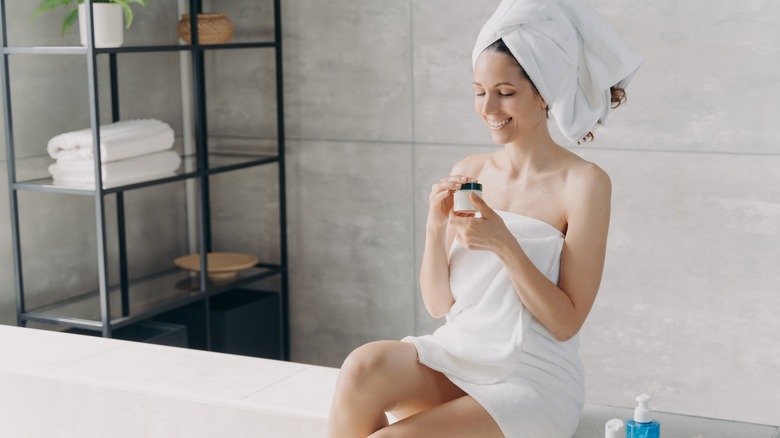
x=201 y=148
x=11 y=162
x=100 y=211
x=284 y=301
x=114 y=79
x=124 y=285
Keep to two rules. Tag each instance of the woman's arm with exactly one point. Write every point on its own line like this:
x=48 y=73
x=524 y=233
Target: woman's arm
x=435 y=272
x=561 y=308
x=435 y=268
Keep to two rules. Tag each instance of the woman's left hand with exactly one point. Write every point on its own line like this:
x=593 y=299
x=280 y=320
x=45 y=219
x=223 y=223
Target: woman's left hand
x=484 y=233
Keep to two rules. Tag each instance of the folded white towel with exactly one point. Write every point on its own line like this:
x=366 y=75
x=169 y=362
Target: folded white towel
x=82 y=173
x=118 y=141
x=571 y=53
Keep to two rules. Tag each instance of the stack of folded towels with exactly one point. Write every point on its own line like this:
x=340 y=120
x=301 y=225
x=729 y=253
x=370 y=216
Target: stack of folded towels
x=130 y=151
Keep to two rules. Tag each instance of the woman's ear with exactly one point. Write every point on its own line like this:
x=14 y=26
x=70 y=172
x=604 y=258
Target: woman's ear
x=542 y=103
x=540 y=100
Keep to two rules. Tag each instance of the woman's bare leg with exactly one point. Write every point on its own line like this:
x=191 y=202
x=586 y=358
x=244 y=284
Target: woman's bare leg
x=459 y=418
x=384 y=376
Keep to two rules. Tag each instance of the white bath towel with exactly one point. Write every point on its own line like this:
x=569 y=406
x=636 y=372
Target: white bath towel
x=82 y=174
x=571 y=53
x=118 y=141
x=496 y=351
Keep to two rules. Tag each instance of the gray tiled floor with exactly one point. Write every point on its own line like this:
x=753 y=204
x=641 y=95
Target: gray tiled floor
x=674 y=425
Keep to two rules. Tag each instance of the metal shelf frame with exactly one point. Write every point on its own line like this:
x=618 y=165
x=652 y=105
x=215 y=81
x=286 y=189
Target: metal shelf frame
x=176 y=296
x=79 y=50
x=46 y=184
x=206 y=289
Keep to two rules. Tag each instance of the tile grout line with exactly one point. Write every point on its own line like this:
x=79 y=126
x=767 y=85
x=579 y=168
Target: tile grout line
x=87 y=358
x=274 y=383
x=413 y=289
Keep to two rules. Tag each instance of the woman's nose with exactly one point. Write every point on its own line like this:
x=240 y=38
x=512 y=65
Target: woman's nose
x=490 y=105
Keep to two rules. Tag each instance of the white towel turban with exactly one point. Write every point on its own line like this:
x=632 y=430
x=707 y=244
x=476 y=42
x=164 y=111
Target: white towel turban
x=571 y=54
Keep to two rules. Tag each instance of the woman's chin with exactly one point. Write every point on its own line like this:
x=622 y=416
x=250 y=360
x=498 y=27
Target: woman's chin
x=499 y=137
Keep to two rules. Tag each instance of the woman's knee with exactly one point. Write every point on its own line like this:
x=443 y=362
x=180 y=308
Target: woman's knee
x=364 y=364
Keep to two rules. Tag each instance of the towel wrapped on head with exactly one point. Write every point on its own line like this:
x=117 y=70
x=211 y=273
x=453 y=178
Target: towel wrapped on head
x=571 y=54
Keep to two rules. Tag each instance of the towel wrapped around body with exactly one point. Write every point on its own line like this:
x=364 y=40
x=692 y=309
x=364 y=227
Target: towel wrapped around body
x=496 y=351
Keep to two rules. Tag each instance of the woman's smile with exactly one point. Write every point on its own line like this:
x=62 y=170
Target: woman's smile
x=498 y=124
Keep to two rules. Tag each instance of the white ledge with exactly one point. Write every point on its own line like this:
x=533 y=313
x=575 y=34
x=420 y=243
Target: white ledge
x=57 y=384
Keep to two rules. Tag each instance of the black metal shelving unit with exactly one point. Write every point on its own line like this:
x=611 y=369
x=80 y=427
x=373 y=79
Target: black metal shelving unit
x=170 y=289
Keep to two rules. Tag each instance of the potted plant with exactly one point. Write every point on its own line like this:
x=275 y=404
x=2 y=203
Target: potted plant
x=107 y=18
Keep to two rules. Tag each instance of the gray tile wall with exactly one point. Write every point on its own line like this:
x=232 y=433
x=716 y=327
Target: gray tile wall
x=378 y=107
x=351 y=246
x=348 y=70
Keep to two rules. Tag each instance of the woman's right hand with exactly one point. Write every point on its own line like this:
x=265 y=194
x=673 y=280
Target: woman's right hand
x=441 y=199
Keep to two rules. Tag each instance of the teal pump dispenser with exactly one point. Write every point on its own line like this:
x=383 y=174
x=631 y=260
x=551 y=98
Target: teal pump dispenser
x=643 y=425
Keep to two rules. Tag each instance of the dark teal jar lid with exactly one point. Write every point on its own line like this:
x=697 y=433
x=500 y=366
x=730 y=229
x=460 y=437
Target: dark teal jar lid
x=471 y=186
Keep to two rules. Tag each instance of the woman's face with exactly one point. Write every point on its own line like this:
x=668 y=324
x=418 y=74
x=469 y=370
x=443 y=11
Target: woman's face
x=505 y=99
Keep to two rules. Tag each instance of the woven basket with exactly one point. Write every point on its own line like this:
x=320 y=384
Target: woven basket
x=212 y=28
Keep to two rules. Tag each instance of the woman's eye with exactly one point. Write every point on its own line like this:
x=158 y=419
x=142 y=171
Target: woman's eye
x=506 y=94
x=480 y=94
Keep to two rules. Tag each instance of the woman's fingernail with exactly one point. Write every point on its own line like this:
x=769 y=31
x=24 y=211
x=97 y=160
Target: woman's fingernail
x=463 y=178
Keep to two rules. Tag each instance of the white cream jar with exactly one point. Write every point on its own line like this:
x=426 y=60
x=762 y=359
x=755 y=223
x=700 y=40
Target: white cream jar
x=462 y=202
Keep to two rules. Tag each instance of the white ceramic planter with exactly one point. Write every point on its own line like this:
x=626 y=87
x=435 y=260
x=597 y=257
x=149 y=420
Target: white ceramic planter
x=109 y=27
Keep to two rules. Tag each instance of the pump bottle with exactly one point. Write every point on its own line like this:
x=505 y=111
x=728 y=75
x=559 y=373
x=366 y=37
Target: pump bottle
x=643 y=425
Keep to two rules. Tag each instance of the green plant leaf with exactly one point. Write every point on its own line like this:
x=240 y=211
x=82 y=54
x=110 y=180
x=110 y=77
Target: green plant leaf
x=128 y=11
x=72 y=16
x=70 y=20
x=49 y=4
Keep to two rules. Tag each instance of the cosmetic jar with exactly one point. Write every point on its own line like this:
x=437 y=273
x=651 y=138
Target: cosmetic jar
x=462 y=203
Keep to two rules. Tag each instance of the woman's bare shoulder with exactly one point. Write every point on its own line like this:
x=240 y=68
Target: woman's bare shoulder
x=579 y=171
x=471 y=165
x=585 y=180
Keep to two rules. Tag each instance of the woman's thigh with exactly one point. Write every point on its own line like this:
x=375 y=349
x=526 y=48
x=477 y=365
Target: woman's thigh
x=390 y=372
x=461 y=417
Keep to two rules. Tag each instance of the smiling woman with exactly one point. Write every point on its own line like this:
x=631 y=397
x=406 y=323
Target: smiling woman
x=617 y=94
x=505 y=97
x=517 y=280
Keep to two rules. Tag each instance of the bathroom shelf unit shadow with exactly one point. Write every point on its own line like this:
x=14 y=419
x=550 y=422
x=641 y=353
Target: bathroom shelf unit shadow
x=118 y=304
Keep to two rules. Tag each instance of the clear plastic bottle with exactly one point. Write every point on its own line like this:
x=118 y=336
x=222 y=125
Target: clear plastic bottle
x=614 y=428
x=643 y=425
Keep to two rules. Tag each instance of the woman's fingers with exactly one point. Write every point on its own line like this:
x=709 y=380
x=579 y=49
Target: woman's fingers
x=441 y=189
x=458 y=178
x=445 y=186
x=442 y=195
x=453 y=181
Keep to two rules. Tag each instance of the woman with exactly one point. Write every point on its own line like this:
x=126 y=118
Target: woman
x=517 y=282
